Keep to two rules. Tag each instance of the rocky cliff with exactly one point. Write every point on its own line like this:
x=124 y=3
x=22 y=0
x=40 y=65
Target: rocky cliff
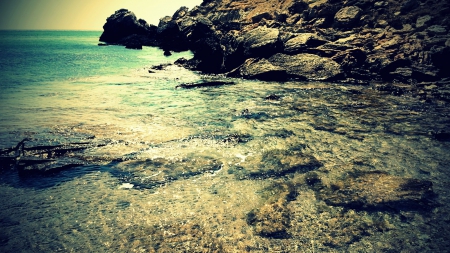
x=355 y=40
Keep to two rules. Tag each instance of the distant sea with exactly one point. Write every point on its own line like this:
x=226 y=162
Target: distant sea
x=47 y=74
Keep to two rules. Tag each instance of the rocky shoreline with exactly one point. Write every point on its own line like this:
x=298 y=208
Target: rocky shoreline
x=361 y=41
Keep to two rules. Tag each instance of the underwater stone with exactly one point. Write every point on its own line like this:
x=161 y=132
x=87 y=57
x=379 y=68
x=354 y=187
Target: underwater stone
x=377 y=190
x=271 y=220
x=149 y=173
x=276 y=163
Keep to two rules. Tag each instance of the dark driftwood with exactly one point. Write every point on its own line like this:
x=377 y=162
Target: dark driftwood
x=42 y=159
x=205 y=84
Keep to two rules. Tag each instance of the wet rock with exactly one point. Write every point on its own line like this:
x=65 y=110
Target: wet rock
x=307 y=66
x=261 y=69
x=161 y=66
x=203 y=84
x=276 y=163
x=376 y=190
x=348 y=16
x=247 y=114
x=272 y=97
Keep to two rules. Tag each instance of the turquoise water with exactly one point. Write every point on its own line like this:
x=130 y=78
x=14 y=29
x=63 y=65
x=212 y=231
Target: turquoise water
x=133 y=164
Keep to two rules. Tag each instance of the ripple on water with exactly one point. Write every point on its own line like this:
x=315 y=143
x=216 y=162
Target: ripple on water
x=226 y=169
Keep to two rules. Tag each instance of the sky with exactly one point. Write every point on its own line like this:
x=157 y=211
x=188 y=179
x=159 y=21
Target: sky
x=80 y=14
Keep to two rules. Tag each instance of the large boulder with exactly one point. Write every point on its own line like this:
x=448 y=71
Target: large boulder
x=261 y=42
x=122 y=24
x=262 y=70
x=307 y=66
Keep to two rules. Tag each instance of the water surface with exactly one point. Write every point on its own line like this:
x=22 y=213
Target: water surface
x=161 y=169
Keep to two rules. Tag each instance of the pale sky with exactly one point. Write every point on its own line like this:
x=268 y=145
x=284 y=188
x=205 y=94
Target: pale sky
x=80 y=14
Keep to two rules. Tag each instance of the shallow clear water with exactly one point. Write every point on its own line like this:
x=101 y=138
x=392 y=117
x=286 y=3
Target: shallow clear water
x=161 y=169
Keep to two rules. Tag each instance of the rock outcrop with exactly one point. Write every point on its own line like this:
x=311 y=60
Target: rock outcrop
x=362 y=40
x=125 y=29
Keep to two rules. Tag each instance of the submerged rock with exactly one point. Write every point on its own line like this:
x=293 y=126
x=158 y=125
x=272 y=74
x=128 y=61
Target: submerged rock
x=150 y=173
x=271 y=220
x=203 y=84
x=377 y=190
x=275 y=163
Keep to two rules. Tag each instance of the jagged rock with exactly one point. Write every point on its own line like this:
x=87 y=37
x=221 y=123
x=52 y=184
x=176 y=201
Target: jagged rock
x=122 y=24
x=303 y=41
x=224 y=34
x=180 y=13
x=169 y=35
x=204 y=41
x=307 y=66
x=376 y=190
x=348 y=16
x=261 y=69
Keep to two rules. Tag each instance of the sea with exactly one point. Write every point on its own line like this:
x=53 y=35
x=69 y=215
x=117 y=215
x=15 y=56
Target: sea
x=104 y=150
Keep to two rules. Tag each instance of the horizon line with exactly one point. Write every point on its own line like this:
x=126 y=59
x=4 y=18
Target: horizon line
x=48 y=30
